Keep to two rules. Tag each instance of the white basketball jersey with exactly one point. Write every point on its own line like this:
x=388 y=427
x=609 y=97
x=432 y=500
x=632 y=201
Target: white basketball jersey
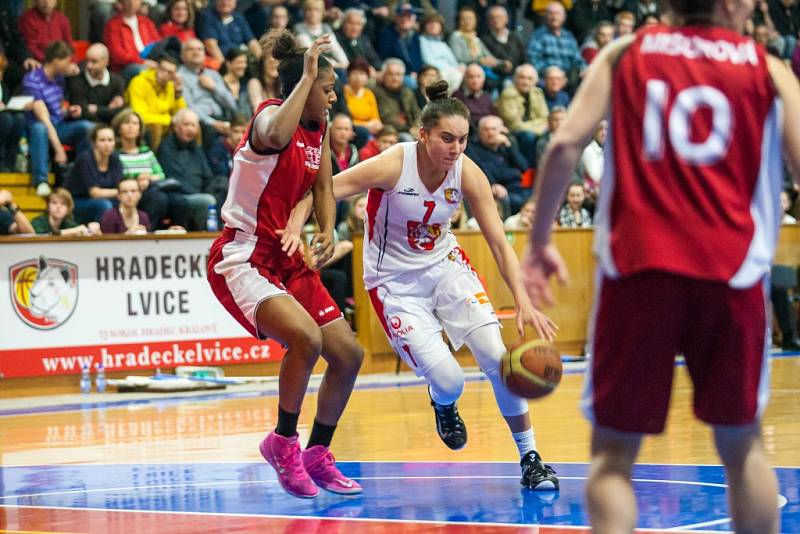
x=408 y=227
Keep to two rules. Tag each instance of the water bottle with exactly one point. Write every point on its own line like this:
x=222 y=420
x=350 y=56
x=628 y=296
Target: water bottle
x=22 y=156
x=86 y=381
x=100 y=379
x=211 y=222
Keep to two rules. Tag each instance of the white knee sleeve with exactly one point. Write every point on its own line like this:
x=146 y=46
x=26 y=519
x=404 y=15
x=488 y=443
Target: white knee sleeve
x=487 y=346
x=446 y=381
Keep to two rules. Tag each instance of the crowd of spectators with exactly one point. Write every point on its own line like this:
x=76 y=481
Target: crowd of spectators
x=164 y=90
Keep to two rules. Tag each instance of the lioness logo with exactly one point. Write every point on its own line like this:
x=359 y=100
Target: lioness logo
x=44 y=292
x=452 y=196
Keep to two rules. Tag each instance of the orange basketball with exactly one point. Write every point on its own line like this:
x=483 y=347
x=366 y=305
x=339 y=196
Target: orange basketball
x=532 y=369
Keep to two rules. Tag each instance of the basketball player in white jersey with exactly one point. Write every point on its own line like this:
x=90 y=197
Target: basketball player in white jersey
x=420 y=280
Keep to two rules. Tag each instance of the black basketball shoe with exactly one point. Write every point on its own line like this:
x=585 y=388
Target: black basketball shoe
x=536 y=475
x=450 y=426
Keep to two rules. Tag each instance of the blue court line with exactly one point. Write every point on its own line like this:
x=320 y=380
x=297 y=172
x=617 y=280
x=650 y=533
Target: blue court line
x=89 y=405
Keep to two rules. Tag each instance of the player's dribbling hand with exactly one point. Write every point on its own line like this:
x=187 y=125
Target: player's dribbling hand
x=290 y=241
x=528 y=314
x=319 y=46
x=538 y=265
x=321 y=249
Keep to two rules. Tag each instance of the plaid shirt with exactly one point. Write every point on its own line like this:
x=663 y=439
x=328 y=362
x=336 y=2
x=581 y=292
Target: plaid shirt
x=567 y=219
x=546 y=48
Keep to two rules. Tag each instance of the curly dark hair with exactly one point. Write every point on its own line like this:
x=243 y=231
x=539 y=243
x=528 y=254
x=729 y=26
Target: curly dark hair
x=283 y=46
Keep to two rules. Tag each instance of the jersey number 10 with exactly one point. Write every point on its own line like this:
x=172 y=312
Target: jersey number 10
x=679 y=120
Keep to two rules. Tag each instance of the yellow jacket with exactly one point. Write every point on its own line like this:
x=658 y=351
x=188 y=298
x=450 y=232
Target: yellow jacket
x=511 y=108
x=156 y=105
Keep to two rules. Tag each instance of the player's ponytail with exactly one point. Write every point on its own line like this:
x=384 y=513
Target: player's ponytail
x=693 y=11
x=283 y=46
x=440 y=105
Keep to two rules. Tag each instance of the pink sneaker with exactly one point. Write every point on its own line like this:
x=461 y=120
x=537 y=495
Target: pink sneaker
x=283 y=454
x=321 y=467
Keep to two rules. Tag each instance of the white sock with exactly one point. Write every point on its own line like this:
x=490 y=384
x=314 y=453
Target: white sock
x=526 y=442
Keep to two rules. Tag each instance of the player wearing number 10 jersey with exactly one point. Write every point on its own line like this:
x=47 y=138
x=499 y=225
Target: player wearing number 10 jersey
x=687 y=224
x=420 y=281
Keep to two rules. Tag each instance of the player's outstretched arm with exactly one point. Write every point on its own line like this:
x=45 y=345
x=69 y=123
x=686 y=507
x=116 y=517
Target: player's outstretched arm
x=589 y=107
x=378 y=172
x=789 y=90
x=275 y=125
x=478 y=193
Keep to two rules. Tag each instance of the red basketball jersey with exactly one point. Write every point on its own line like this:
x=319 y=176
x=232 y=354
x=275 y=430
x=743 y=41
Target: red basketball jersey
x=693 y=159
x=265 y=186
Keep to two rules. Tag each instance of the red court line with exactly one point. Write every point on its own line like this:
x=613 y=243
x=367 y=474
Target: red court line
x=37 y=520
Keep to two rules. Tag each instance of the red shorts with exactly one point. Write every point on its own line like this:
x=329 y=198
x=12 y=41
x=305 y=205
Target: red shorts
x=642 y=321
x=242 y=278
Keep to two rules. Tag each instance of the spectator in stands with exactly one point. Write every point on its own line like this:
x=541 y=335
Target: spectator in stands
x=180 y=21
x=396 y=102
x=97 y=94
x=555 y=80
x=205 y=92
x=468 y=47
x=385 y=138
x=502 y=163
x=603 y=34
x=139 y=161
x=183 y=159
x=458 y=219
x=127 y=34
x=41 y=25
x=344 y=153
x=47 y=127
x=99 y=13
x=591 y=164
x=649 y=8
x=12 y=220
x=266 y=84
x=472 y=93
x=126 y=218
x=359 y=98
x=18 y=55
x=353 y=40
x=220 y=154
x=522 y=220
x=258 y=14
x=401 y=40
x=279 y=18
x=156 y=95
x=786 y=208
x=554 y=121
x=584 y=17
x=552 y=44
x=312 y=27
x=573 y=214
x=624 y=23
x=426 y=76
x=233 y=74
x=58 y=218
x=353 y=224
x=502 y=43
x=221 y=28
x=523 y=109
x=93 y=180
x=436 y=52
x=12 y=123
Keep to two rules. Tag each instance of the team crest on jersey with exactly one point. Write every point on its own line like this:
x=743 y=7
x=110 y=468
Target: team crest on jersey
x=312 y=158
x=44 y=291
x=422 y=236
x=452 y=195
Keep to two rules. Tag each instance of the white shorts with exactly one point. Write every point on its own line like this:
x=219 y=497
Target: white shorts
x=414 y=307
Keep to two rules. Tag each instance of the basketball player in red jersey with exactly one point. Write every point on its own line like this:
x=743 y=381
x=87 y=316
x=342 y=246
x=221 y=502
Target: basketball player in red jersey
x=421 y=282
x=259 y=275
x=687 y=225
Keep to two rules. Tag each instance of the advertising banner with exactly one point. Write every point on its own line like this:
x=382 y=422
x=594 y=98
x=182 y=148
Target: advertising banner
x=128 y=304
